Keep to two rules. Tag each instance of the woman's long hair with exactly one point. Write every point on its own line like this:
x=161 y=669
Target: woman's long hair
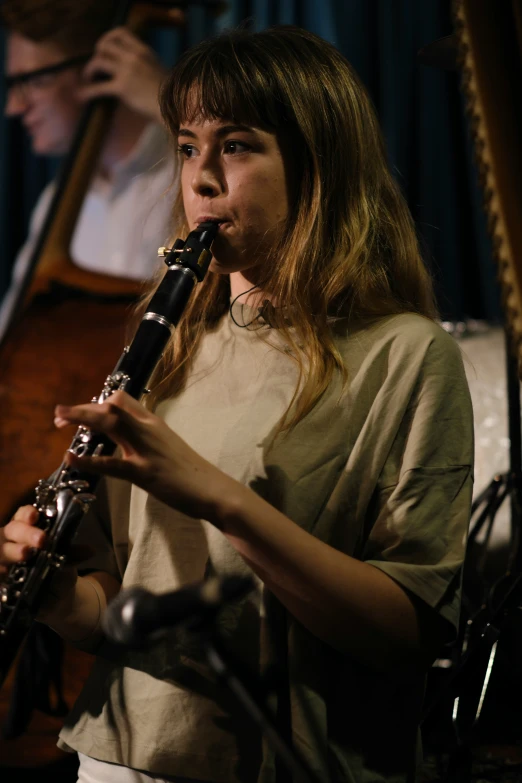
x=349 y=248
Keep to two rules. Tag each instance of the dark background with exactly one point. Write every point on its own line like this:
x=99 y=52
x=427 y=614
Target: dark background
x=421 y=112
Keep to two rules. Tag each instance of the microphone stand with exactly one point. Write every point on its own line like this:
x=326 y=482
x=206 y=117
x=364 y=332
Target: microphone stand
x=136 y=618
x=475 y=649
x=220 y=664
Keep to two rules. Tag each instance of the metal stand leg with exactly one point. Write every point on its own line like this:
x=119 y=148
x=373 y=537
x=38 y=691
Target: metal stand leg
x=477 y=645
x=295 y=765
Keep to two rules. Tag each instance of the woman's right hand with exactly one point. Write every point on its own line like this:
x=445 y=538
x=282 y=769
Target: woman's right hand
x=20 y=537
x=72 y=605
x=18 y=541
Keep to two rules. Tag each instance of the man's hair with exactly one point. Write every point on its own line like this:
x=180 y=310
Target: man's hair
x=73 y=25
x=350 y=247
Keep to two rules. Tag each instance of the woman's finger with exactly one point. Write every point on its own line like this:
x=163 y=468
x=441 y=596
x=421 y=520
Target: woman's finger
x=118 y=408
x=27 y=514
x=22 y=533
x=103 y=466
x=124 y=420
x=103 y=417
x=19 y=537
x=14 y=553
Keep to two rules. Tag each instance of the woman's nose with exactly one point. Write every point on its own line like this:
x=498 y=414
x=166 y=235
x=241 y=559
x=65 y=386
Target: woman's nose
x=208 y=178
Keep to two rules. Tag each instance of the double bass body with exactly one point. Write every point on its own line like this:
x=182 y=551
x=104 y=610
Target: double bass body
x=66 y=330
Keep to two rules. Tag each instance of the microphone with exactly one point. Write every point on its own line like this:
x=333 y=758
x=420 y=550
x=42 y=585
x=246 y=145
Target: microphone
x=135 y=615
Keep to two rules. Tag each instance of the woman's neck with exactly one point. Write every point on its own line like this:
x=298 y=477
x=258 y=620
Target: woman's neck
x=243 y=288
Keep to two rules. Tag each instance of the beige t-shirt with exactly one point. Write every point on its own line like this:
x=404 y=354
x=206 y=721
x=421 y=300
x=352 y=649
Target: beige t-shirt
x=381 y=471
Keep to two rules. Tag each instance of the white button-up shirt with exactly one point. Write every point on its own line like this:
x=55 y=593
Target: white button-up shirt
x=122 y=222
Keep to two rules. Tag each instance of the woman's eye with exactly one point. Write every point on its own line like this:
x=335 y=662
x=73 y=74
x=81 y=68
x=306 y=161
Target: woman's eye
x=235 y=147
x=187 y=150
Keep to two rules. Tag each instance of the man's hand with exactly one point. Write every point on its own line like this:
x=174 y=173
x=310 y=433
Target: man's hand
x=132 y=70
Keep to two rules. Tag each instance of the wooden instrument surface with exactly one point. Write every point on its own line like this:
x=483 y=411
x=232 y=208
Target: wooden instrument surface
x=63 y=353
x=59 y=348
x=490 y=43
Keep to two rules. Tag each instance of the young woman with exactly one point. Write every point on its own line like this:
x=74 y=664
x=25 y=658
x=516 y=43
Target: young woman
x=311 y=424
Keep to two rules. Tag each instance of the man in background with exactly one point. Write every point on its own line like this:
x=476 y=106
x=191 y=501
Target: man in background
x=54 y=49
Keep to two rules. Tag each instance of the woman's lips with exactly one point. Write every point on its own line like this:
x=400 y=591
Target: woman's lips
x=221 y=221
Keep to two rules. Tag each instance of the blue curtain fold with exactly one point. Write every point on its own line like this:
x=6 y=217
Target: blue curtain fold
x=421 y=113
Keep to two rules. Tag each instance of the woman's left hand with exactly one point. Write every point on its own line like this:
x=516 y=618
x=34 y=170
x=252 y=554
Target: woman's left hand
x=151 y=455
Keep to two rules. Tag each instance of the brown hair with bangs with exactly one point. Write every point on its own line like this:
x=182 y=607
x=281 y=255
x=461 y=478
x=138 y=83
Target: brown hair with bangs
x=349 y=249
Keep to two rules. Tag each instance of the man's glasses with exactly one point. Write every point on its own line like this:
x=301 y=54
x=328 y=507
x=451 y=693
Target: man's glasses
x=42 y=77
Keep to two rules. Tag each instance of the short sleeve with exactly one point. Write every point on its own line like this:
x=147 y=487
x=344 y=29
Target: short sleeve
x=95 y=533
x=422 y=504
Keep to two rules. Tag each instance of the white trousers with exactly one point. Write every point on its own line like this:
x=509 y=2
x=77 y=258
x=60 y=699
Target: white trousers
x=94 y=771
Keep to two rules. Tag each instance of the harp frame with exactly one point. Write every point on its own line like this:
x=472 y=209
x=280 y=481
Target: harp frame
x=489 y=36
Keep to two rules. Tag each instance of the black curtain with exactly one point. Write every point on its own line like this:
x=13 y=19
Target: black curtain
x=421 y=112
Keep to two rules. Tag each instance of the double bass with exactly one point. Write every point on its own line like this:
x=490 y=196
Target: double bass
x=67 y=323
x=65 y=331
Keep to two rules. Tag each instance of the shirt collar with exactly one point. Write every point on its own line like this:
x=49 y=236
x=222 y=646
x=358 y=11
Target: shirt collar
x=150 y=150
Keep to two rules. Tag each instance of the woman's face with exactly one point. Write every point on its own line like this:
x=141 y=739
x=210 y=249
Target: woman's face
x=235 y=174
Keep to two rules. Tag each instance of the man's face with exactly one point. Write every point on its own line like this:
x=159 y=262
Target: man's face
x=48 y=105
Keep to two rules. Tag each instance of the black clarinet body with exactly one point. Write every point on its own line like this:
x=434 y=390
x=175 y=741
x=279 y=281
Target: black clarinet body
x=64 y=498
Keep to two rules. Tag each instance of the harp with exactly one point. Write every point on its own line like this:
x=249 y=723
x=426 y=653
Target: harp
x=489 y=56
x=489 y=34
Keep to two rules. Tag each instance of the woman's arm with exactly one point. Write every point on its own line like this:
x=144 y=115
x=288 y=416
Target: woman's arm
x=76 y=614
x=349 y=604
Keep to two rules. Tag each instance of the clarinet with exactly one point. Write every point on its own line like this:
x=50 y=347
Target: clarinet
x=64 y=498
